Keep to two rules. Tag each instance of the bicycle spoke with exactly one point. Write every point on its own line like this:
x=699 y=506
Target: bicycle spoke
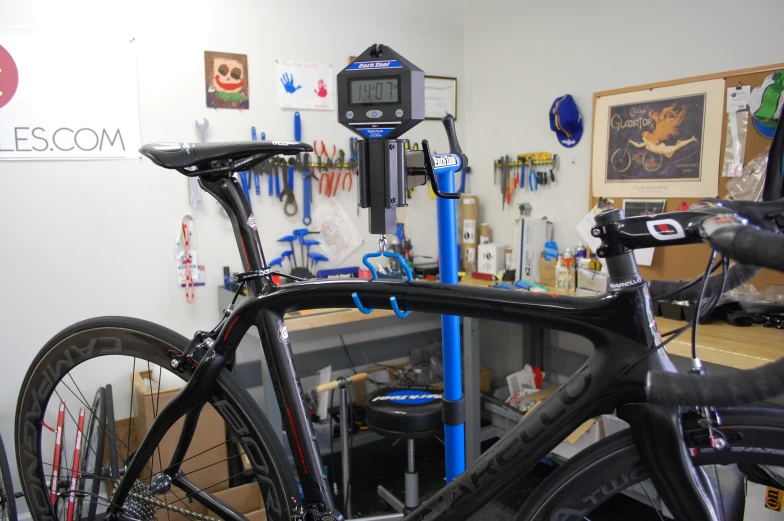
x=642 y=485
x=130 y=407
x=207 y=488
x=200 y=453
x=106 y=427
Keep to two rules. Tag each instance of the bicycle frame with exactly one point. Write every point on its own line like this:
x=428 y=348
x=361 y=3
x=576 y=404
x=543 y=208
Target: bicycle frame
x=620 y=325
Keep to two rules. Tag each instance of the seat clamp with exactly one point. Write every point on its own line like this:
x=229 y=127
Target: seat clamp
x=453 y=412
x=250 y=275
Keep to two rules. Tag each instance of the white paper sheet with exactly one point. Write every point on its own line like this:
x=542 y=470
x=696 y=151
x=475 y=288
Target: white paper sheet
x=303 y=85
x=339 y=237
x=584 y=229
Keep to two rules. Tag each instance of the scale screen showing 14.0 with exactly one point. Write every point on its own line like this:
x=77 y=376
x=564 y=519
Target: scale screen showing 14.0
x=375 y=91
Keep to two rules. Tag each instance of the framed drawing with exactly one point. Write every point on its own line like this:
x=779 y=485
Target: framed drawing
x=662 y=141
x=226 y=78
x=440 y=97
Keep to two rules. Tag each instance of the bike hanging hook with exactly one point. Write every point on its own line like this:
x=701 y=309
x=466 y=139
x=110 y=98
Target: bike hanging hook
x=382 y=252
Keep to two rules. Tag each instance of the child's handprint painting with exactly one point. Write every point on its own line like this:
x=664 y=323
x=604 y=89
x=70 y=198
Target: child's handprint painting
x=304 y=85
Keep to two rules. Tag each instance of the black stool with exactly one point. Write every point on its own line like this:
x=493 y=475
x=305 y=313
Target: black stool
x=408 y=413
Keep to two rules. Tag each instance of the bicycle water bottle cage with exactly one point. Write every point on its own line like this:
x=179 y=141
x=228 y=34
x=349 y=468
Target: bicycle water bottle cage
x=401 y=313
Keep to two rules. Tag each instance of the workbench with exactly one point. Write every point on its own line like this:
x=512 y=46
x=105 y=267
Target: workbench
x=719 y=343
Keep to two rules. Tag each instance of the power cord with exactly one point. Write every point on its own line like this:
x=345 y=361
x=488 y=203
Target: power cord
x=699 y=305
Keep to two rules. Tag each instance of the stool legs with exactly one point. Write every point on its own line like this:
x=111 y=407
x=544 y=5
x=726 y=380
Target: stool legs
x=412 y=478
x=411 y=484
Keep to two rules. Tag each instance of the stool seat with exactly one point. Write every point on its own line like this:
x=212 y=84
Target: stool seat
x=405 y=412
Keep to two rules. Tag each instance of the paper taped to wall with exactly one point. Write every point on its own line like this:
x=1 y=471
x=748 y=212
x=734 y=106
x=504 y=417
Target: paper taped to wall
x=338 y=235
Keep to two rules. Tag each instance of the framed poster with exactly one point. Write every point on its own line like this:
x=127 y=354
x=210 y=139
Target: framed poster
x=227 y=82
x=663 y=141
x=440 y=97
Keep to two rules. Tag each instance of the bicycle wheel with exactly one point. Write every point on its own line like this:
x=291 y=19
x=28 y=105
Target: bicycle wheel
x=588 y=483
x=621 y=160
x=79 y=360
x=91 y=467
x=7 y=497
x=651 y=162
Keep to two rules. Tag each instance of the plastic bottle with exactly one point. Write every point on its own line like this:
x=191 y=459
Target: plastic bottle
x=580 y=251
x=561 y=273
x=568 y=261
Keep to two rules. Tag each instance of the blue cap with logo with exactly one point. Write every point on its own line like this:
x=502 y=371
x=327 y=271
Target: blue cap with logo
x=565 y=121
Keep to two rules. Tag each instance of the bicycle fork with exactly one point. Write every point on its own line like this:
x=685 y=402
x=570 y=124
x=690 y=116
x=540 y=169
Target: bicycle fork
x=658 y=435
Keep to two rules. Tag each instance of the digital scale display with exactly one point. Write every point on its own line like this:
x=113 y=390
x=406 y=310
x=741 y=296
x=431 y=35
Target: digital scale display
x=376 y=91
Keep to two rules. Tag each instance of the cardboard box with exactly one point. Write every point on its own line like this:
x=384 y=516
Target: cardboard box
x=492 y=258
x=470 y=228
x=546 y=271
x=245 y=499
x=593 y=280
x=763 y=503
x=582 y=292
x=209 y=438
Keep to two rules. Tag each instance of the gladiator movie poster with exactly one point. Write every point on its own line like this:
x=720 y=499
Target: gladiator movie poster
x=656 y=140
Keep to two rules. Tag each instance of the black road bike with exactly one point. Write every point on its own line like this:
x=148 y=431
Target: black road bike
x=694 y=454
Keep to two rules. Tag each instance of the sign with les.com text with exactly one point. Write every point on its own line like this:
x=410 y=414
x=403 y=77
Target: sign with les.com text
x=67 y=96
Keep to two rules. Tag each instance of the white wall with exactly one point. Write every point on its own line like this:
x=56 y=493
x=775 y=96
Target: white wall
x=521 y=55
x=84 y=239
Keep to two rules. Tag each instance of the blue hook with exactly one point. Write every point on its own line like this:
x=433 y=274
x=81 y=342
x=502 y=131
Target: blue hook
x=392 y=300
x=396 y=309
x=362 y=309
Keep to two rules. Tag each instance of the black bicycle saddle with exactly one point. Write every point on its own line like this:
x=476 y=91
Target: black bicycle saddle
x=185 y=155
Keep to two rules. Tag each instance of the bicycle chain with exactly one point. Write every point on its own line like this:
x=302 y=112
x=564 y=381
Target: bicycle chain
x=140 y=492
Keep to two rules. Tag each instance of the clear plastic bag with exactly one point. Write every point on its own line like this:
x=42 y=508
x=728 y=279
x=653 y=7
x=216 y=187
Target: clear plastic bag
x=748 y=187
x=735 y=151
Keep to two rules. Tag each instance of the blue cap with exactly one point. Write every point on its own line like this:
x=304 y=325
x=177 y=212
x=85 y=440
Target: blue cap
x=565 y=121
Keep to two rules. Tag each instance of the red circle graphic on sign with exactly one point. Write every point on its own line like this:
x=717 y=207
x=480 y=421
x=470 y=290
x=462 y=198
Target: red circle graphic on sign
x=9 y=77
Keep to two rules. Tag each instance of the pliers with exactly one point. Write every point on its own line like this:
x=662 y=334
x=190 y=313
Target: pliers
x=533 y=177
x=327 y=177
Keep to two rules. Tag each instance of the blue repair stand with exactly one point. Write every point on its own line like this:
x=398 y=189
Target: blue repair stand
x=454 y=435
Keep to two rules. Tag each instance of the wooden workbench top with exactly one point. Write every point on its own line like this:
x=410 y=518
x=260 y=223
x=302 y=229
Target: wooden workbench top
x=724 y=344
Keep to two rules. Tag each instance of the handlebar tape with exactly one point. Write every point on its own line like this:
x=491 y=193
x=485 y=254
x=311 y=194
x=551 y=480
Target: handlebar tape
x=750 y=245
x=742 y=388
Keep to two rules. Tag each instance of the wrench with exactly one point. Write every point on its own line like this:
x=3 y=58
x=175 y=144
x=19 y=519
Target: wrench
x=307 y=194
x=287 y=192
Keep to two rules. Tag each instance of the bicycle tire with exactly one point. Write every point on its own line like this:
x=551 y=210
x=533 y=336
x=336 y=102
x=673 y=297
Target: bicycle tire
x=142 y=340
x=628 y=162
x=611 y=466
x=96 y=433
x=7 y=497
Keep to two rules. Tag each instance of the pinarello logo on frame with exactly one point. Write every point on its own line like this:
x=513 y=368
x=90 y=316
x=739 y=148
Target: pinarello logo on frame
x=9 y=77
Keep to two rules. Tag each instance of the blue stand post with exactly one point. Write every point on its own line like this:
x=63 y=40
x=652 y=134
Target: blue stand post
x=454 y=435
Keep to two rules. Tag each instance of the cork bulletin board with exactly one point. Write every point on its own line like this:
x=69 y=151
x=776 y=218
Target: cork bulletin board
x=694 y=94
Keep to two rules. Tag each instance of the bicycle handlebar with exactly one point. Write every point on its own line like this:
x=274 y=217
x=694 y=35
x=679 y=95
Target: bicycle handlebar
x=734 y=238
x=742 y=388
